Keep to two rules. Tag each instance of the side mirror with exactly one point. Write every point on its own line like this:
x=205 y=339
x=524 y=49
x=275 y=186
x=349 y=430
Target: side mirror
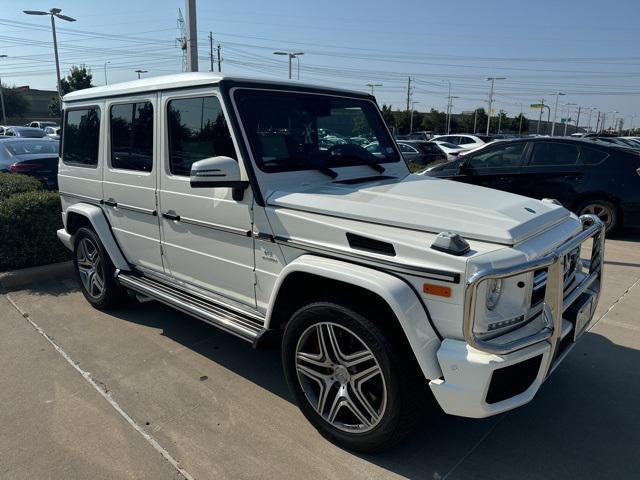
x=218 y=172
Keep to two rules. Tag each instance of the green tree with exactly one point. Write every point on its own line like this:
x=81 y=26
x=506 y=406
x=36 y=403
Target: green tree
x=16 y=104
x=434 y=121
x=79 y=78
x=515 y=123
x=388 y=116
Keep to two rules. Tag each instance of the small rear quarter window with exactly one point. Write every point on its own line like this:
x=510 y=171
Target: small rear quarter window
x=81 y=136
x=591 y=156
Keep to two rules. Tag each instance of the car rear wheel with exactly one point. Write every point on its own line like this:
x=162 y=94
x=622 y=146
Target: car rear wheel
x=604 y=210
x=348 y=379
x=95 y=271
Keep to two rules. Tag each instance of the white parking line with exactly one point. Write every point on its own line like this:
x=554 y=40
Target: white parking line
x=106 y=395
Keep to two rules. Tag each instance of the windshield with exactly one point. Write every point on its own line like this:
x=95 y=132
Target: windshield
x=26 y=147
x=297 y=131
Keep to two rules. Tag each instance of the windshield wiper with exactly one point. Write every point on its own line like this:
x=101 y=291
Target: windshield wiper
x=363 y=161
x=329 y=172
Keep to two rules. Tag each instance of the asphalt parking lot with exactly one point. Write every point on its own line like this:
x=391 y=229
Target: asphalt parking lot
x=147 y=392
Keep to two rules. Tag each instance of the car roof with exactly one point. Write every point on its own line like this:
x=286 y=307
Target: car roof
x=576 y=141
x=189 y=79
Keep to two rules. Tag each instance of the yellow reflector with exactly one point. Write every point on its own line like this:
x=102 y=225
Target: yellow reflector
x=438 y=290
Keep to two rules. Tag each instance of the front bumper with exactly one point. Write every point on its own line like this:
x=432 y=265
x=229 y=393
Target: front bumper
x=486 y=377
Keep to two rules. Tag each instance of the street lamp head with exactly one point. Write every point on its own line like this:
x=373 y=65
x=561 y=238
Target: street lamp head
x=65 y=17
x=4 y=56
x=36 y=12
x=296 y=54
x=281 y=53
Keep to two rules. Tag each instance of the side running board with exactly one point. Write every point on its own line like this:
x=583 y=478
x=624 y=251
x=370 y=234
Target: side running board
x=236 y=323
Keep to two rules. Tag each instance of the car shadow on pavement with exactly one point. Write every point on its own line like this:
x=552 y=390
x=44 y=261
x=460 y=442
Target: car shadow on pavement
x=584 y=421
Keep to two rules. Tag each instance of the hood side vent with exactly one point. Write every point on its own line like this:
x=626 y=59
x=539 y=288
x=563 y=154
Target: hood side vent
x=358 y=242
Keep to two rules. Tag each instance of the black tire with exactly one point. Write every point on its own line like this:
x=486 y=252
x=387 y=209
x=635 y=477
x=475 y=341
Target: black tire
x=605 y=210
x=404 y=386
x=111 y=294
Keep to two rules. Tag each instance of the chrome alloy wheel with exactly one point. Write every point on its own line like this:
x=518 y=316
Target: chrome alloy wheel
x=341 y=377
x=90 y=267
x=603 y=212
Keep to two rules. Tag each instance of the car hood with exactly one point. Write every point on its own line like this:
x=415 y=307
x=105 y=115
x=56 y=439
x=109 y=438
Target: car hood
x=429 y=204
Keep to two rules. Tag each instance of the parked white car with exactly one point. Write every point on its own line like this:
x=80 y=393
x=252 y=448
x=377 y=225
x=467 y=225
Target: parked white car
x=52 y=132
x=450 y=149
x=213 y=195
x=466 y=142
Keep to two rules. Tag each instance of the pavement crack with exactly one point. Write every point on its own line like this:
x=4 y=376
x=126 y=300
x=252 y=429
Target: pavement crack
x=616 y=302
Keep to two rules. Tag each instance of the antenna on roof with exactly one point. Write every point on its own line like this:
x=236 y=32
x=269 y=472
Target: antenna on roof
x=182 y=40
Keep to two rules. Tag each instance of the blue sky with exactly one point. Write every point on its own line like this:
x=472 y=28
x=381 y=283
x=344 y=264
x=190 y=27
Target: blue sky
x=586 y=49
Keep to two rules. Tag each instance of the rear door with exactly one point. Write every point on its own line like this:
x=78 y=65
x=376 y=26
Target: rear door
x=409 y=152
x=130 y=178
x=553 y=171
x=495 y=167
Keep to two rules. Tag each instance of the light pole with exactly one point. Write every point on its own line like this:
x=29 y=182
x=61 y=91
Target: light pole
x=54 y=12
x=555 y=113
x=566 y=120
x=105 y=73
x=492 y=79
x=140 y=72
x=411 y=121
x=613 y=122
x=291 y=55
x=4 y=113
x=449 y=108
x=372 y=86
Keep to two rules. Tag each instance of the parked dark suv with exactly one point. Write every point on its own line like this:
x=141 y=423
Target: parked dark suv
x=584 y=176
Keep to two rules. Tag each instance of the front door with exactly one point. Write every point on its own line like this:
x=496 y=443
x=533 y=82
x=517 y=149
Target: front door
x=130 y=178
x=206 y=234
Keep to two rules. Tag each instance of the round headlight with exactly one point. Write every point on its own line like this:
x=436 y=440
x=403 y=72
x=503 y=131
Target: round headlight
x=494 y=290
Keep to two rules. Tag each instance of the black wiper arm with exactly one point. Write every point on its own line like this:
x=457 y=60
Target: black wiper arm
x=329 y=172
x=363 y=161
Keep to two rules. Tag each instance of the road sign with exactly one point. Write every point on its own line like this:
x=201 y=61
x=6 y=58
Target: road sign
x=537 y=106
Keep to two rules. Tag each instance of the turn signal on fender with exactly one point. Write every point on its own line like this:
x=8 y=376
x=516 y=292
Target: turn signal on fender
x=437 y=290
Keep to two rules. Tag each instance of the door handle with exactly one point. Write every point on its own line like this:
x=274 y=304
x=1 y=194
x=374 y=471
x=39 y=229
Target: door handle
x=506 y=179
x=110 y=203
x=572 y=177
x=171 y=216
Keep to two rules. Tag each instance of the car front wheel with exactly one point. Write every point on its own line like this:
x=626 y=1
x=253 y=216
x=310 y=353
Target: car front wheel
x=347 y=378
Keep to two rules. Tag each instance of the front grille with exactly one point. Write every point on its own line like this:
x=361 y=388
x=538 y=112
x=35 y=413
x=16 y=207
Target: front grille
x=571 y=262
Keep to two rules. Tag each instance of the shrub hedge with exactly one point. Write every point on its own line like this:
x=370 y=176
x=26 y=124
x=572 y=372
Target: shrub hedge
x=11 y=183
x=28 y=224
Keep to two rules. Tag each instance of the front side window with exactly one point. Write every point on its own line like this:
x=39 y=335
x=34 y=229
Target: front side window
x=132 y=136
x=291 y=131
x=498 y=157
x=81 y=136
x=552 y=154
x=197 y=130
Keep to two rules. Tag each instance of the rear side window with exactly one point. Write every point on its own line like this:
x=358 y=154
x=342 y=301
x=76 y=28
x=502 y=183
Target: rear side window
x=132 y=136
x=197 y=130
x=466 y=140
x=404 y=148
x=552 y=154
x=81 y=136
x=591 y=156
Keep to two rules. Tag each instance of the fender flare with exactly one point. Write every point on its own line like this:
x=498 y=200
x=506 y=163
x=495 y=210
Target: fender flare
x=398 y=294
x=99 y=222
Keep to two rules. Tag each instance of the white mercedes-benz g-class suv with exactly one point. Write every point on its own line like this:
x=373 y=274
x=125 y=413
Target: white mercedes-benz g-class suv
x=255 y=206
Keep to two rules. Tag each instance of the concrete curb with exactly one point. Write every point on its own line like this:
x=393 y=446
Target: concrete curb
x=16 y=279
